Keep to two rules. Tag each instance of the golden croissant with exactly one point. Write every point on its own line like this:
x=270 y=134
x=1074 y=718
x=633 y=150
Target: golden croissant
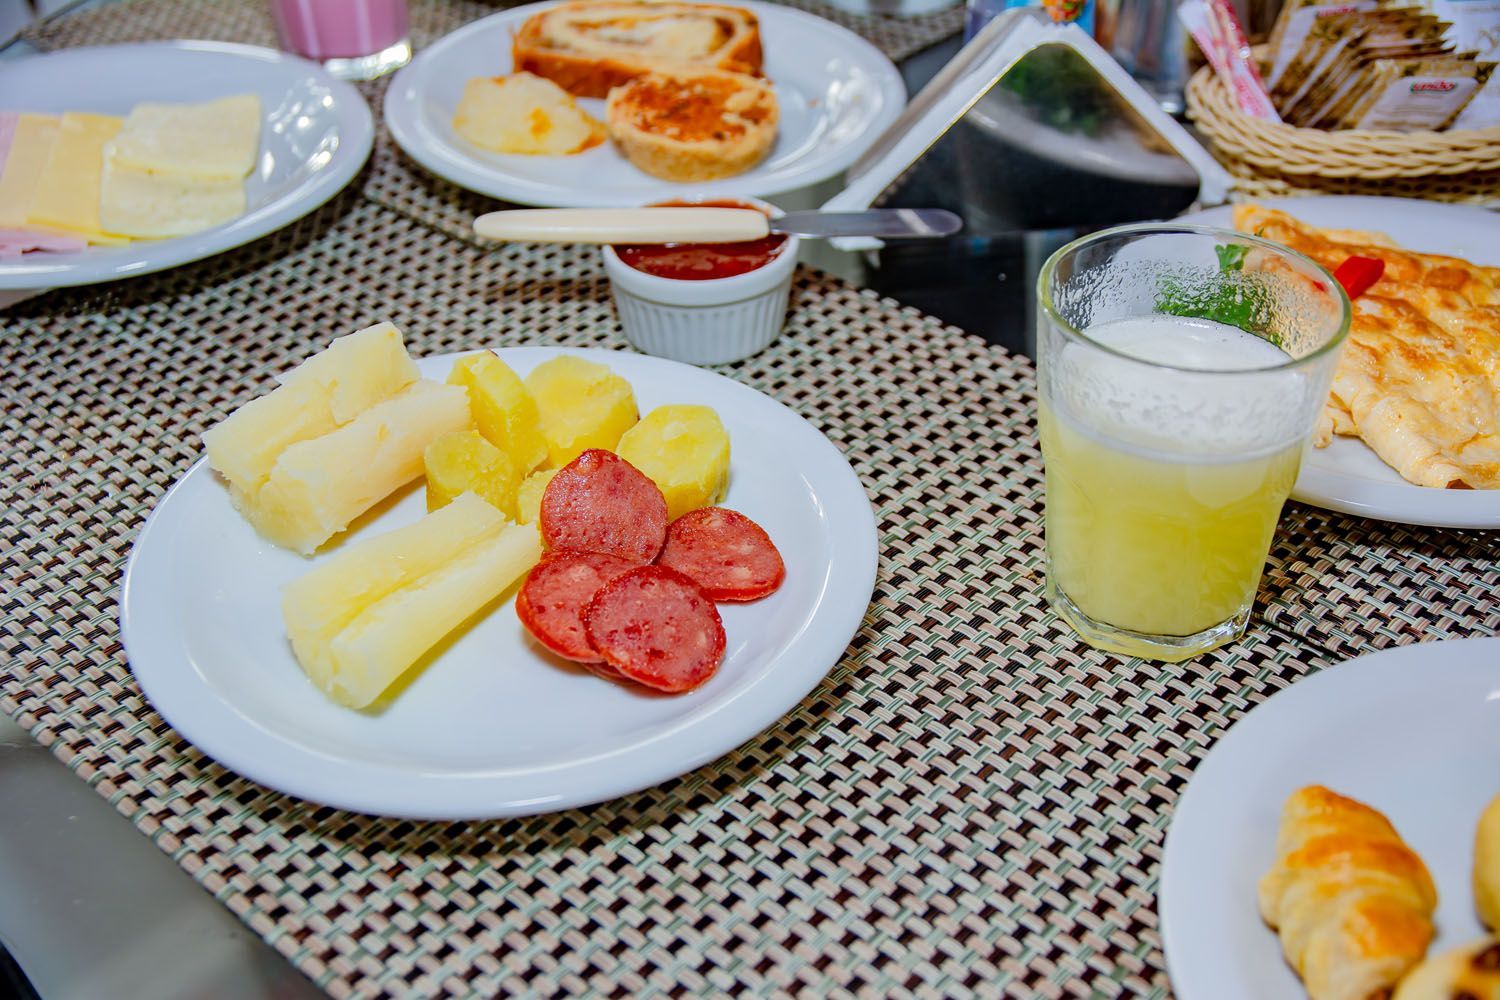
x=1351 y=902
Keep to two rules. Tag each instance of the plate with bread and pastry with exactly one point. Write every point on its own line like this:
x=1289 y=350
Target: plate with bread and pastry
x=618 y=103
x=1342 y=840
x=1411 y=432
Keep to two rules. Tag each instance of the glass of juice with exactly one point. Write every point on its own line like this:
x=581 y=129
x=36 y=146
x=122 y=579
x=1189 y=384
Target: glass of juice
x=353 y=39
x=1181 y=370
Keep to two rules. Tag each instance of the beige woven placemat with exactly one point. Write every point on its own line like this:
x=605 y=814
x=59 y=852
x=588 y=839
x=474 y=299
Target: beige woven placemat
x=972 y=801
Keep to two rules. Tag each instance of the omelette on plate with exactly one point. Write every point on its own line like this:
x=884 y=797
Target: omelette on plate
x=1419 y=379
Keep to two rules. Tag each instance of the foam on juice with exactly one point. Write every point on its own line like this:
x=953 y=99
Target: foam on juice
x=1188 y=343
x=1192 y=410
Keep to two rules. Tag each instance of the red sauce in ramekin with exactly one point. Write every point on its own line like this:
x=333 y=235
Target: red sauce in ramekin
x=702 y=261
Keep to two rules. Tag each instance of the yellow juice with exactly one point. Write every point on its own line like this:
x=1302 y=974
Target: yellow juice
x=1153 y=544
x=1164 y=484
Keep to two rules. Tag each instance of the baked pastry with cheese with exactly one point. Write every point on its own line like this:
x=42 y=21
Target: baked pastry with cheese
x=592 y=46
x=697 y=126
x=1468 y=973
x=522 y=113
x=1471 y=972
x=1419 y=379
x=1487 y=866
x=1352 y=903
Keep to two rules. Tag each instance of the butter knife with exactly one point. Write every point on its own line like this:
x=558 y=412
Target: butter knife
x=706 y=225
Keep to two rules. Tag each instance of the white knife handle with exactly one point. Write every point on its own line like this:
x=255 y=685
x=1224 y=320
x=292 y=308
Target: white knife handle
x=624 y=225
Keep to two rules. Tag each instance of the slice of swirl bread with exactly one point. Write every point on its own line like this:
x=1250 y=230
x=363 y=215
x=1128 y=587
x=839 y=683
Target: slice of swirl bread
x=592 y=46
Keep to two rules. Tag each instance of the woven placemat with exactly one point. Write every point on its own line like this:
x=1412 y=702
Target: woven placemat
x=1352 y=585
x=971 y=801
x=249 y=21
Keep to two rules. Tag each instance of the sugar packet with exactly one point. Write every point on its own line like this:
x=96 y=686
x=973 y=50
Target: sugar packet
x=1408 y=95
x=1296 y=19
x=1476 y=26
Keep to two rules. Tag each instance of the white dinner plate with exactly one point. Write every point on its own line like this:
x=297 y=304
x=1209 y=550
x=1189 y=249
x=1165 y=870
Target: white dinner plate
x=837 y=93
x=492 y=725
x=316 y=135
x=1347 y=476
x=1412 y=731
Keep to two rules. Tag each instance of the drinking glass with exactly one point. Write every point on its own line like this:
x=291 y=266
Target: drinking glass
x=353 y=39
x=1181 y=371
x=1152 y=45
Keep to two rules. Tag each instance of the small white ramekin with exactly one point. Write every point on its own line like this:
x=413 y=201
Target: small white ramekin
x=704 y=322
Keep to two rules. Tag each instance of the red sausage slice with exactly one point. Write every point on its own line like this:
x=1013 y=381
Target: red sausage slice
x=601 y=503
x=551 y=601
x=725 y=553
x=656 y=627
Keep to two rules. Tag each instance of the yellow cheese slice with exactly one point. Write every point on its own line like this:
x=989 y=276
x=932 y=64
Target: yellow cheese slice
x=214 y=141
x=67 y=196
x=30 y=147
x=149 y=205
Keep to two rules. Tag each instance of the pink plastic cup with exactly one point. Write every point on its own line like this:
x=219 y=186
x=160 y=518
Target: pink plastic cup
x=353 y=39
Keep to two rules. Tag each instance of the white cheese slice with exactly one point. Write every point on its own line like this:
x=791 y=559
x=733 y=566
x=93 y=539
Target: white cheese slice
x=149 y=205
x=216 y=140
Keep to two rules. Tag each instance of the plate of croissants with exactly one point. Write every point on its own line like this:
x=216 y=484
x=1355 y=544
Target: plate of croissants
x=595 y=103
x=1342 y=841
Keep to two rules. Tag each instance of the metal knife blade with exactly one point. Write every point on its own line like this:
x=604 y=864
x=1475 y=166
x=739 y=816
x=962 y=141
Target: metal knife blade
x=885 y=223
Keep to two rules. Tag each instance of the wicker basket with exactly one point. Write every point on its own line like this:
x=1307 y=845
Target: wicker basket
x=1271 y=158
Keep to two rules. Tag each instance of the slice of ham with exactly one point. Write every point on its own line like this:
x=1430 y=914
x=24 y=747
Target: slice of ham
x=14 y=242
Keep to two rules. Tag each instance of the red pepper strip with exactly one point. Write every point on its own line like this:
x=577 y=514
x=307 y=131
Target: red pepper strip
x=1357 y=274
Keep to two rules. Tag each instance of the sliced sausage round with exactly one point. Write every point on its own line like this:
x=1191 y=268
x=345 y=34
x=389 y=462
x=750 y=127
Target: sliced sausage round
x=551 y=601
x=601 y=503
x=725 y=553
x=656 y=627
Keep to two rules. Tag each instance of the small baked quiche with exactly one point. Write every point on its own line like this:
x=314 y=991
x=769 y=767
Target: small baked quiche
x=694 y=126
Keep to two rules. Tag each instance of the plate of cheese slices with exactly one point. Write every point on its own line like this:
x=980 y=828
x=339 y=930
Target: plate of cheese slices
x=493 y=584
x=1411 y=430
x=122 y=160
x=1343 y=838
x=591 y=103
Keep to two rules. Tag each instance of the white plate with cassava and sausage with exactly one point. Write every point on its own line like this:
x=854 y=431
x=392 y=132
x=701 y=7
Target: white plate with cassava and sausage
x=489 y=723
